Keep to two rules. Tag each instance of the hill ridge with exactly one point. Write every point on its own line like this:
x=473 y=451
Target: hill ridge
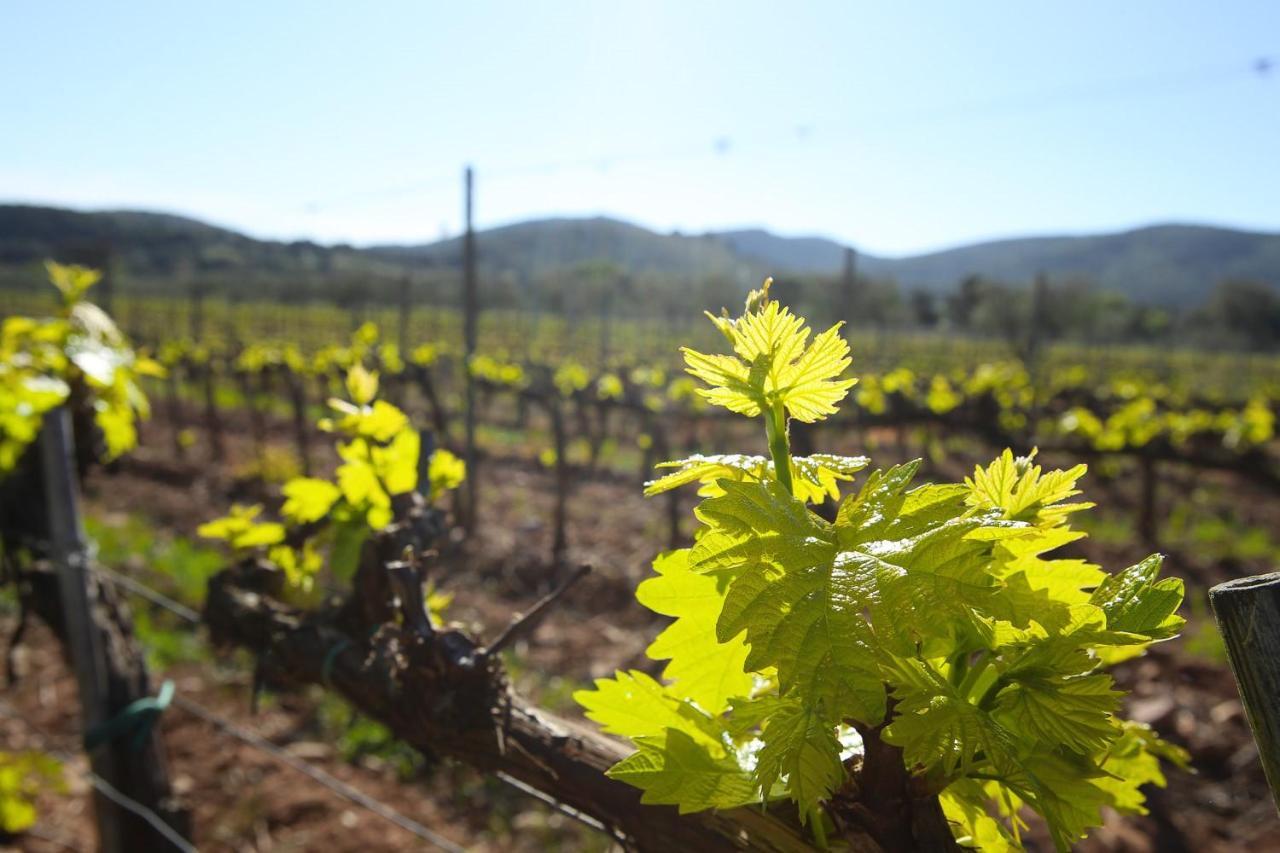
x=1173 y=263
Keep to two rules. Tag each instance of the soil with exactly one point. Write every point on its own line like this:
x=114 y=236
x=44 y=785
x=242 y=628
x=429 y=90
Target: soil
x=244 y=800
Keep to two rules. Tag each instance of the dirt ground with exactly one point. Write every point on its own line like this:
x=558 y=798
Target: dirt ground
x=243 y=800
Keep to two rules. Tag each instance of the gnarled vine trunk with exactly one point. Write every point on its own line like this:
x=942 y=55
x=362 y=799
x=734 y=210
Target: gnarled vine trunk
x=442 y=693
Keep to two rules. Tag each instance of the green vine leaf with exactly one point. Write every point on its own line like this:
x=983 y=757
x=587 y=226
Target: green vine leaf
x=706 y=671
x=951 y=598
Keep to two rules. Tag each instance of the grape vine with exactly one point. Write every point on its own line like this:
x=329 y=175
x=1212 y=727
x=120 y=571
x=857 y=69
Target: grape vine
x=936 y=618
x=78 y=353
x=379 y=479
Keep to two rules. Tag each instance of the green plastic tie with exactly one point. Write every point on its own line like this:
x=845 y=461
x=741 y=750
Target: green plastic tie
x=136 y=720
x=326 y=668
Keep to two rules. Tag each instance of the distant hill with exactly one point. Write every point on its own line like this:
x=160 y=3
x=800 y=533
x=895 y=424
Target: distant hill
x=1162 y=264
x=159 y=244
x=545 y=245
x=793 y=254
x=1173 y=265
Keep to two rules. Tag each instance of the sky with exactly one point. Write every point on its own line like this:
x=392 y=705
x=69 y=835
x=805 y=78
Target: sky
x=895 y=127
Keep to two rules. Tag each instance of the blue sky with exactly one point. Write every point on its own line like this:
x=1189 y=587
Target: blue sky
x=897 y=127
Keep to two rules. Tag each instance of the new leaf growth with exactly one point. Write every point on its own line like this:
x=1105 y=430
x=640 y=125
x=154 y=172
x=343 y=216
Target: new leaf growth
x=937 y=615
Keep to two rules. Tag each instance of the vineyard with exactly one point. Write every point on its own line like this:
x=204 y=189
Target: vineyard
x=368 y=578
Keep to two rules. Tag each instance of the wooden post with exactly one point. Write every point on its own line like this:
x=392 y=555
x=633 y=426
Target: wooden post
x=606 y=322
x=470 y=303
x=560 y=540
x=212 y=420
x=1148 y=526
x=406 y=306
x=301 y=426
x=197 y=312
x=69 y=552
x=174 y=406
x=252 y=403
x=107 y=287
x=848 y=288
x=109 y=672
x=663 y=449
x=1248 y=614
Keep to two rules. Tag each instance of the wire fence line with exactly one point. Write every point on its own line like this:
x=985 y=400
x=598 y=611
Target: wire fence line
x=252 y=739
x=101 y=785
x=143 y=591
x=126 y=802
x=262 y=744
x=337 y=786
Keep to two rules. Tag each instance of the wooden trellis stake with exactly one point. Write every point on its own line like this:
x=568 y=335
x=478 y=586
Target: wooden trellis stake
x=1248 y=614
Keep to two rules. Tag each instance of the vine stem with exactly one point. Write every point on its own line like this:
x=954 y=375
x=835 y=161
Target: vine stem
x=775 y=427
x=971 y=678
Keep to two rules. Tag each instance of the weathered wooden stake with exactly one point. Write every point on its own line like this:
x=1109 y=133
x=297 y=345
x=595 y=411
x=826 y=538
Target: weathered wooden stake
x=197 y=312
x=301 y=424
x=109 y=675
x=560 y=523
x=1148 y=527
x=849 y=286
x=69 y=552
x=406 y=308
x=471 y=309
x=1248 y=614
x=212 y=419
x=174 y=407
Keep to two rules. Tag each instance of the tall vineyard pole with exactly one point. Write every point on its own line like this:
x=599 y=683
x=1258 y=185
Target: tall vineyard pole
x=110 y=675
x=470 y=303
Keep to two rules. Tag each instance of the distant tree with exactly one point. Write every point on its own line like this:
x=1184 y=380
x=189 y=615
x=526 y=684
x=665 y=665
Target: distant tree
x=1248 y=311
x=964 y=303
x=924 y=309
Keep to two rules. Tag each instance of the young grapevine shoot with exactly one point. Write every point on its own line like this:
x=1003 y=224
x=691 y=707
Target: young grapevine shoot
x=938 y=611
x=378 y=473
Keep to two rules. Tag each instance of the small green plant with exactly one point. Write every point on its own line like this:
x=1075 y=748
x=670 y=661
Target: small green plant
x=380 y=453
x=79 y=350
x=933 y=618
x=23 y=775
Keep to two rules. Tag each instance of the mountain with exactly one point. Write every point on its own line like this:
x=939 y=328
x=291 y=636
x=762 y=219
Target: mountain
x=792 y=254
x=1173 y=265
x=159 y=244
x=545 y=245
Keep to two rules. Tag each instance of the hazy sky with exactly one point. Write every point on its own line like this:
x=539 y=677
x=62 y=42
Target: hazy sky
x=894 y=126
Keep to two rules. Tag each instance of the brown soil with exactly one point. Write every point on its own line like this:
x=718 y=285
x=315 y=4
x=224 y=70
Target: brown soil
x=244 y=800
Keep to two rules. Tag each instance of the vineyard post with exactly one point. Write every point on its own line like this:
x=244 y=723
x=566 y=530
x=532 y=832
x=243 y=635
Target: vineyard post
x=172 y=320
x=470 y=305
x=301 y=427
x=663 y=448
x=560 y=541
x=229 y=323
x=849 y=285
x=212 y=420
x=174 y=407
x=197 y=312
x=1147 y=524
x=107 y=680
x=107 y=287
x=649 y=427
x=1248 y=614
x=406 y=305
x=253 y=403
x=70 y=552
x=606 y=319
